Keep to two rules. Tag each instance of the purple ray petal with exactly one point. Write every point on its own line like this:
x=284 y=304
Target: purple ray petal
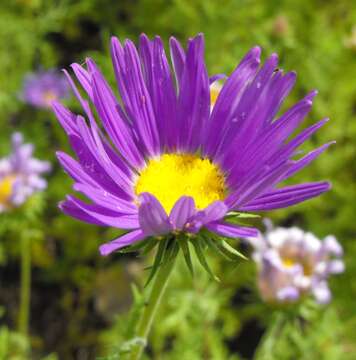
x=183 y=210
x=178 y=59
x=153 y=218
x=124 y=240
x=106 y=199
x=194 y=98
x=161 y=88
x=215 y=211
x=72 y=210
x=74 y=170
x=254 y=189
x=266 y=145
x=66 y=118
x=307 y=159
x=111 y=171
x=286 y=151
x=216 y=77
x=232 y=230
x=114 y=124
x=228 y=100
x=135 y=95
x=286 y=196
x=106 y=216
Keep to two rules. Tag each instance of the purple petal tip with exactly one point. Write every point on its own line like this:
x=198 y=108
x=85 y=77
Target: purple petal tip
x=104 y=250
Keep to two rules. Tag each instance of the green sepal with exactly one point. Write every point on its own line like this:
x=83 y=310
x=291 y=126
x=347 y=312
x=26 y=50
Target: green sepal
x=242 y=215
x=136 y=247
x=201 y=257
x=162 y=247
x=172 y=251
x=238 y=218
x=184 y=245
x=229 y=249
x=215 y=248
x=149 y=246
x=223 y=247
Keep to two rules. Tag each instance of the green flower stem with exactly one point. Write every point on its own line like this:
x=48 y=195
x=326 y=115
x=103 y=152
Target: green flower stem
x=25 y=284
x=153 y=301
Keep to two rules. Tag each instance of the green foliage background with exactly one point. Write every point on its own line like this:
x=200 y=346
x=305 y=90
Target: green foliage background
x=79 y=299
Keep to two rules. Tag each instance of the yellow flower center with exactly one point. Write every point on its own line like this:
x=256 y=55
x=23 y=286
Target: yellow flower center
x=6 y=184
x=49 y=96
x=288 y=262
x=174 y=175
x=307 y=268
x=215 y=89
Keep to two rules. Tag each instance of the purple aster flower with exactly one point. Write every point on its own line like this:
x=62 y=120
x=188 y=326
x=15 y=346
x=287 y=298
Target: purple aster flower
x=162 y=162
x=293 y=263
x=20 y=174
x=42 y=88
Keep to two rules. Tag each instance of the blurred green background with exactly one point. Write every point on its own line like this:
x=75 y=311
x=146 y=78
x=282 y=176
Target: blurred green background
x=79 y=300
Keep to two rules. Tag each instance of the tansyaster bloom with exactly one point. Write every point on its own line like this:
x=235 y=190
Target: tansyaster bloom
x=293 y=263
x=42 y=88
x=20 y=174
x=162 y=162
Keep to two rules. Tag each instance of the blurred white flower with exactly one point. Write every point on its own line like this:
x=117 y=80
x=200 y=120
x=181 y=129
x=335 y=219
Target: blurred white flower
x=293 y=263
x=20 y=174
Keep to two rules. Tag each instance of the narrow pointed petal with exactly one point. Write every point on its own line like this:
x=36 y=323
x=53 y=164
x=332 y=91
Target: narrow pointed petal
x=194 y=98
x=216 y=77
x=114 y=124
x=106 y=199
x=306 y=160
x=72 y=210
x=124 y=240
x=231 y=230
x=153 y=218
x=178 y=59
x=73 y=169
x=182 y=211
x=287 y=196
x=161 y=88
x=228 y=101
x=134 y=93
x=105 y=215
x=215 y=211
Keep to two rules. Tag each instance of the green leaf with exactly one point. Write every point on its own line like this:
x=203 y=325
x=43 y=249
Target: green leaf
x=183 y=243
x=201 y=257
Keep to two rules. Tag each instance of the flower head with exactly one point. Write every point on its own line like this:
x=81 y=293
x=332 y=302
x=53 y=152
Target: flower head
x=20 y=174
x=293 y=263
x=42 y=88
x=162 y=160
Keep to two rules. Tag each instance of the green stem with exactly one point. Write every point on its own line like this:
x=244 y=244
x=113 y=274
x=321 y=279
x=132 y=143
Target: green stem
x=151 y=305
x=25 y=284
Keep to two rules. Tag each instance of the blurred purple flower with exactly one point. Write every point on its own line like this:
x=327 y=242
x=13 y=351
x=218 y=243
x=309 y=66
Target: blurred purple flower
x=172 y=161
x=293 y=263
x=20 y=174
x=42 y=88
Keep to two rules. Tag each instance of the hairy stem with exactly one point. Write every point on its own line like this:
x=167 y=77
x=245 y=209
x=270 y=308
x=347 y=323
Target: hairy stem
x=25 y=287
x=151 y=305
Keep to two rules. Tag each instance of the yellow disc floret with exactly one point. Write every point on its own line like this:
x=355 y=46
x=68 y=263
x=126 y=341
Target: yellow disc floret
x=174 y=175
x=215 y=89
x=6 y=184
